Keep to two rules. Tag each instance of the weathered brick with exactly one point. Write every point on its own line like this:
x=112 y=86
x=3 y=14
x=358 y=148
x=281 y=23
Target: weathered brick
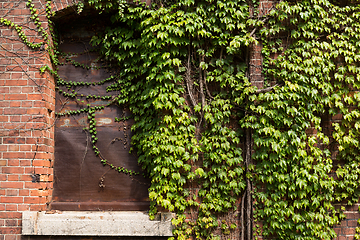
x=13 y=177
x=36 y=97
x=16 y=82
x=12 y=237
x=11 y=199
x=38 y=207
x=12 y=192
x=26 y=177
x=17 y=185
x=35 y=200
x=14 y=111
x=25 y=162
x=14 y=140
x=352 y=215
x=10 y=230
x=15 y=104
x=352 y=223
x=348 y=231
x=17 y=155
x=4 y=90
x=24 y=207
x=11 y=207
x=13 y=162
x=15 y=96
x=15 y=118
x=24 y=192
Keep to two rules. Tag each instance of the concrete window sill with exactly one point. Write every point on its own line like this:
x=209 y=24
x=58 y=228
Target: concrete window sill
x=74 y=223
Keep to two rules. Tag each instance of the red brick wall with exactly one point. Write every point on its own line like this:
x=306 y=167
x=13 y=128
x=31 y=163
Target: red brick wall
x=346 y=230
x=27 y=117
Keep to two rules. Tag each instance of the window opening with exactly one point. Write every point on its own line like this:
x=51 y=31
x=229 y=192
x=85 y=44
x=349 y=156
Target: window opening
x=81 y=182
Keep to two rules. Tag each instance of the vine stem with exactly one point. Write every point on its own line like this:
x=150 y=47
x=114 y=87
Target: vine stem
x=201 y=83
x=248 y=184
x=206 y=87
x=83 y=159
x=242 y=219
x=188 y=80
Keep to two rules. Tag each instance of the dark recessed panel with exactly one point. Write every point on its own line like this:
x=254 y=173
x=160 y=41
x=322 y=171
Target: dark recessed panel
x=81 y=182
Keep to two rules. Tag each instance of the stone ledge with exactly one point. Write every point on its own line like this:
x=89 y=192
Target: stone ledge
x=75 y=223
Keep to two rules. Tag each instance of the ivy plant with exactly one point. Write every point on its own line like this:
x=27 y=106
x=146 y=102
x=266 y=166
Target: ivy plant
x=211 y=142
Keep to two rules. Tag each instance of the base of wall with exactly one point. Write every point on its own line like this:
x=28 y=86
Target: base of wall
x=74 y=223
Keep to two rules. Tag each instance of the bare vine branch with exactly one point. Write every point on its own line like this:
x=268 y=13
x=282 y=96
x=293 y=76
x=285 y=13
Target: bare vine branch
x=188 y=80
x=201 y=83
x=206 y=86
x=242 y=219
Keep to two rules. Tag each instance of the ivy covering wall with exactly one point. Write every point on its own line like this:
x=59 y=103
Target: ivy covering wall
x=211 y=142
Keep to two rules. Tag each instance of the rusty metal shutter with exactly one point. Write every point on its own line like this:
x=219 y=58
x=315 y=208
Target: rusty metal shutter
x=81 y=182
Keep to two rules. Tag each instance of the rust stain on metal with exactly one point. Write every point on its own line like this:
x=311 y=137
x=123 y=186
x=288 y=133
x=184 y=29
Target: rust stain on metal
x=104 y=121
